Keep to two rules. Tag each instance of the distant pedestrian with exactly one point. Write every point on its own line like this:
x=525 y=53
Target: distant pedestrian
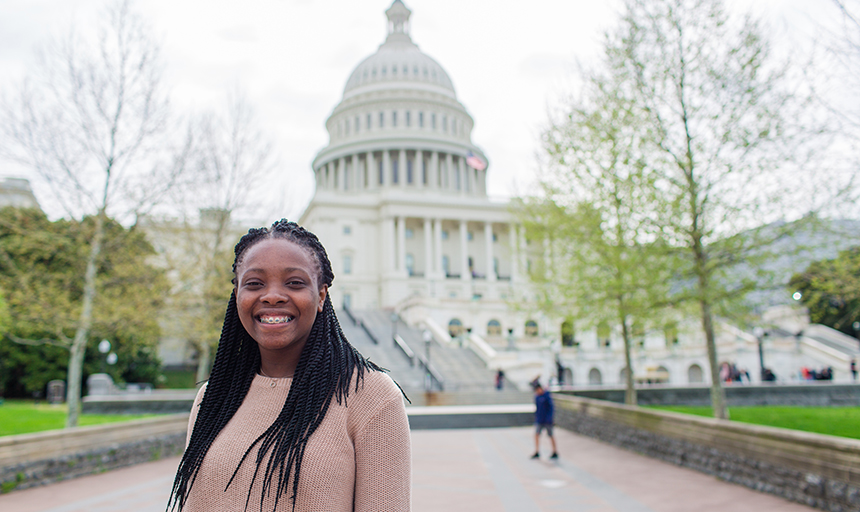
x=854 y=369
x=500 y=380
x=543 y=419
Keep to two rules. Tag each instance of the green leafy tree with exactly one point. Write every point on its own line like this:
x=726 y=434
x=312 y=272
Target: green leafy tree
x=41 y=271
x=724 y=133
x=607 y=260
x=93 y=122
x=831 y=291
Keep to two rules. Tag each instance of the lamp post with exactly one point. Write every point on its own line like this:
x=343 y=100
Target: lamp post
x=104 y=348
x=427 y=378
x=759 y=336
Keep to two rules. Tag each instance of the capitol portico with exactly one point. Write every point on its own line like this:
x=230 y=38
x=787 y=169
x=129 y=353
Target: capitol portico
x=401 y=202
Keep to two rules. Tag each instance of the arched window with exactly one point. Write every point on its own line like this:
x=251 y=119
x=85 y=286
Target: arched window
x=622 y=376
x=663 y=374
x=531 y=328
x=567 y=334
x=594 y=377
x=695 y=375
x=455 y=327
x=494 y=328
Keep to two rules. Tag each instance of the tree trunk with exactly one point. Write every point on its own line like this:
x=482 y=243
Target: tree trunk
x=629 y=389
x=79 y=344
x=718 y=394
x=204 y=362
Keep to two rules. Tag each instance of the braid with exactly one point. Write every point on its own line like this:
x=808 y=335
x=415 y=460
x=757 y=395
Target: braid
x=325 y=369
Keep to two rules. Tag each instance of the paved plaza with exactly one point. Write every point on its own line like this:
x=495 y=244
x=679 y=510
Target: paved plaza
x=474 y=470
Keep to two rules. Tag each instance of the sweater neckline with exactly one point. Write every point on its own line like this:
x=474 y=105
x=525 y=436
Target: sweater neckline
x=271 y=382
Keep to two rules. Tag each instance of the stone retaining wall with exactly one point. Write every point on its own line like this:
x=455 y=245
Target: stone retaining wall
x=809 y=394
x=817 y=470
x=29 y=460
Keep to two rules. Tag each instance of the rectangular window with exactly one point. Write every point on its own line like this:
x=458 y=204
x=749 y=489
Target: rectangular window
x=346 y=127
x=347 y=230
x=347 y=264
x=381 y=119
x=394 y=118
x=424 y=171
x=347 y=300
x=433 y=120
x=394 y=169
x=409 y=171
x=409 y=233
x=446 y=264
x=410 y=264
x=408 y=116
x=381 y=173
x=444 y=123
x=357 y=124
x=368 y=122
x=420 y=119
x=444 y=234
x=470 y=235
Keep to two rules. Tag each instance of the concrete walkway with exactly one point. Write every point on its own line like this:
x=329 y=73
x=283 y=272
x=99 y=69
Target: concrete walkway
x=474 y=470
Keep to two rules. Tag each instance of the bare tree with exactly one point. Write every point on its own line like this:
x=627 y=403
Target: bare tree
x=93 y=122
x=232 y=164
x=727 y=131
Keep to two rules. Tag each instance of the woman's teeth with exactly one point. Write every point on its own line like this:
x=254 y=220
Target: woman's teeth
x=275 y=319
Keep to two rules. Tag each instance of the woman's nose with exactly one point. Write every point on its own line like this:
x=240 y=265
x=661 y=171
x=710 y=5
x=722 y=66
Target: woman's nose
x=274 y=295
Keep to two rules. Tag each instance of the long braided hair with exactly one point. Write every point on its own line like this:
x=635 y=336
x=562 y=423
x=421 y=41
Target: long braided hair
x=325 y=370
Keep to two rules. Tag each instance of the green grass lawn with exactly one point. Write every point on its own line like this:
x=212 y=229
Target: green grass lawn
x=834 y=421
x=25 y=416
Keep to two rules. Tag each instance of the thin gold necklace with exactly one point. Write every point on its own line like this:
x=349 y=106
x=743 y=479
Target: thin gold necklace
x=273 y=382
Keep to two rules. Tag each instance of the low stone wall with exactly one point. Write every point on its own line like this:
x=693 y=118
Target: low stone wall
x=813 y=469
x=811 y=394
x=471 y=416
x=156 y=402
x=29 y=460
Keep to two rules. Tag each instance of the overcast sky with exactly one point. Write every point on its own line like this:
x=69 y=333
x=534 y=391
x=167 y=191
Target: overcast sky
x=508 y=60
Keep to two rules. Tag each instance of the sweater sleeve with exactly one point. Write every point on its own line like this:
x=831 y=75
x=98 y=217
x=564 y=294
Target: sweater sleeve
x=383 y=461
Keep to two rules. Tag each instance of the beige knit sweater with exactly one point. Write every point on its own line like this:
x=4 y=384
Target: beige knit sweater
x=358 y=460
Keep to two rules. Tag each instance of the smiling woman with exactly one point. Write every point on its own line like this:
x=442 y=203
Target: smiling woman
x=264 y=431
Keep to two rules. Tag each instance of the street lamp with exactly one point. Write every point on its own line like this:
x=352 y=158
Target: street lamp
x=759 y=336
x=104 y=348
x=427 y=339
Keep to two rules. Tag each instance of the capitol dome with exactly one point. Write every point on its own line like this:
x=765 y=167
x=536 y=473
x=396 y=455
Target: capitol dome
x=398 y=59
x=400 y=126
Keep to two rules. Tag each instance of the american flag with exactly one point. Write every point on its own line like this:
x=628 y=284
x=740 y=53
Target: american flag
x=475 y=162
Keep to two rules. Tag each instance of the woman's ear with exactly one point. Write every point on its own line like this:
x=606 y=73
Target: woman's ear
x=323 y=293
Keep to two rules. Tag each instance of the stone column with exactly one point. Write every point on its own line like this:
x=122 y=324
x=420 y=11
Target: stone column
x=449 y=172
x=386 y=168
x=465 y=273
x=372 y=171
x=429 y=271
x=433 y=171
x=420 y=170
x=401 y=157
x=437 y=245
x=488 y=240
x=401 y=245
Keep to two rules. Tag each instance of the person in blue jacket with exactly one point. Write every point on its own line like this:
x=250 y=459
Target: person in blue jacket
x=543 y=419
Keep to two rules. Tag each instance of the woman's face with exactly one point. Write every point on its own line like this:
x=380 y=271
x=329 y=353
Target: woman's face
x=278 y=297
